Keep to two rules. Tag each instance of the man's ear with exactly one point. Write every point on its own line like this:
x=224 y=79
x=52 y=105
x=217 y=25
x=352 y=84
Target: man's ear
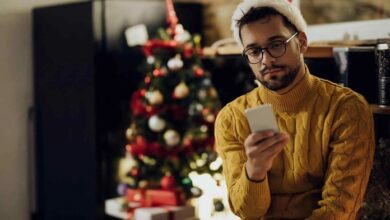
x=302 y=38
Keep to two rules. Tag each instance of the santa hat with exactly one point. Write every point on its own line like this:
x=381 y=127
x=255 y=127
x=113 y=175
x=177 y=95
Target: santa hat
x=284 y=7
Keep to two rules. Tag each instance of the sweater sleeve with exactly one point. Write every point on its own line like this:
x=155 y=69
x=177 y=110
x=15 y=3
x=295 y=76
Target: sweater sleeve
x=247 y=199
x=349 y=162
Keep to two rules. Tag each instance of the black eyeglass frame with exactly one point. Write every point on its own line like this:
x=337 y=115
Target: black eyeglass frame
x=262 y=50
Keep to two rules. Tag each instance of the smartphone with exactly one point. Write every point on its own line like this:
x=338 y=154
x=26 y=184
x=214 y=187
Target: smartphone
x=261 y=118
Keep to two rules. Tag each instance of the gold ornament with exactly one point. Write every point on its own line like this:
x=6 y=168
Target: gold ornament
x=181 y=90
x=213 y=93
x=210 y=118
x=129 y=134
x=171 y=138
x=155 y=97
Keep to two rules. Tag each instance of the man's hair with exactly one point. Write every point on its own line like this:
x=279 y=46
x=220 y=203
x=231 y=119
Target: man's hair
x=255 y=14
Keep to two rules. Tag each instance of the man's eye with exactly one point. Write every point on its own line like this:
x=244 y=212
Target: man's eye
x=275 y=45
x=253 y=52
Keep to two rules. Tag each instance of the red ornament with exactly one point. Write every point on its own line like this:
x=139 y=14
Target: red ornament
x=143 y=92
x=168 y=182
x=134 y=171
x=187 y=50
x=137 y=105
x=147 y=80
x=158 y=72
x=199 y=51
x=136 y=149
x=187 y=142
x=199 y=72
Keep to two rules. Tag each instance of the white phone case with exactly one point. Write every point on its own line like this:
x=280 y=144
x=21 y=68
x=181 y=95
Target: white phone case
x=261 y=118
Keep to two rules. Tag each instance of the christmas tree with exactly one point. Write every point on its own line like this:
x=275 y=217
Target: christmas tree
x=171 y=129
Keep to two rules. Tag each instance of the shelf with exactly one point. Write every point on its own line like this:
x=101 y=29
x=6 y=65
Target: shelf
x=319 y=52
x=377 y=109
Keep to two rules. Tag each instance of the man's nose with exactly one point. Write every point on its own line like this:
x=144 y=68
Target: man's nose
x=267 y=58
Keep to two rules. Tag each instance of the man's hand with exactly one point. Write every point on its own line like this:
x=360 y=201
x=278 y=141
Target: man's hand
x=261 y=148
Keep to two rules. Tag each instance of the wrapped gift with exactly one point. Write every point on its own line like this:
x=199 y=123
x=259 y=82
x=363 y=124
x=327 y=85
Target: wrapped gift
x=116 y=207
x=164 y=198
x=164 y=213
x=155 y=197
x=136 y=195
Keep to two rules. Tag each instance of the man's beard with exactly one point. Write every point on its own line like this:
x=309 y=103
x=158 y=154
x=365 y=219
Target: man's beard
x=283 y=81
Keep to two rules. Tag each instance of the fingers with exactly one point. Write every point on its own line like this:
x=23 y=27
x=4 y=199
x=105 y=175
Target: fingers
x=266 y=147
x=253 y=138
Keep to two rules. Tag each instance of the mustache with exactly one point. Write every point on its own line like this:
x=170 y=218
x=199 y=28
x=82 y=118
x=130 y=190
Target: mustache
x=270 y=68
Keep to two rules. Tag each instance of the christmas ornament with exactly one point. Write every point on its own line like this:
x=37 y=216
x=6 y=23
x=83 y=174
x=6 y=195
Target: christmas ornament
x=138 y=147
x=205 y=111
x=203 y=128
x=213 y=93
x=181 y=91
x=171 y=138
x=187 y=50
x=130 y=133
x=126 y=164
x=134 y=172
x=156 y=123
x=199 y=72
x=206 y=82
x=202 y=94
x=187 y=141
x=155 y=97
x=137 y=105
x=175 y=63
x=150 y=60
x=158 y=72
x=181 y=34
x=147 y=80
x=187 y=182
x=210 y=118
x=168 y=182
x=195 y=108
x=197 y=40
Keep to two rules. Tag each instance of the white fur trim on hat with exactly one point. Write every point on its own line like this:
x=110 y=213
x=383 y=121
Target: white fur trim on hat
x=292 y=13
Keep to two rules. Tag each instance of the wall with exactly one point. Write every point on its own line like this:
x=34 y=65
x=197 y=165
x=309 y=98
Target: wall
x=354 y=30
x=16 y=97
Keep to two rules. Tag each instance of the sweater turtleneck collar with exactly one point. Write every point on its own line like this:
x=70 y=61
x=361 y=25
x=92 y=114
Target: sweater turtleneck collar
x=290 y=100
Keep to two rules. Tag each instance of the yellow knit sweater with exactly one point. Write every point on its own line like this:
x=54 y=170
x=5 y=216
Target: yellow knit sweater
x=323 y=171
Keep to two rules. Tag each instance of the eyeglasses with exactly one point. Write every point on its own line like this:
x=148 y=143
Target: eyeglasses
x=275 y=49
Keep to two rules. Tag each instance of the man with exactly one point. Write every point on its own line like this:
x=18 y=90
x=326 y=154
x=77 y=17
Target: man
x=318 y=166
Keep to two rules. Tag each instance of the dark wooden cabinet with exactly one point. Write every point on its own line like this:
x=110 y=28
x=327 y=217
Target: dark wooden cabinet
x=84 y=74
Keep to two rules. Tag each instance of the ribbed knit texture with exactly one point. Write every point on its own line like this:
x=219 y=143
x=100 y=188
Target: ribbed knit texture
x=323 y=171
